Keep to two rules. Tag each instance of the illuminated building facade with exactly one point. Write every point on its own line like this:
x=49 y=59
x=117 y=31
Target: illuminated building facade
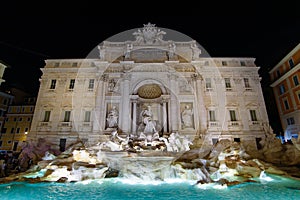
x=187 y=91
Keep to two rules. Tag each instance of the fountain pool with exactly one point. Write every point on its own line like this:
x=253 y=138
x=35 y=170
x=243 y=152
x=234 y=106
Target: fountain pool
x=274 y=187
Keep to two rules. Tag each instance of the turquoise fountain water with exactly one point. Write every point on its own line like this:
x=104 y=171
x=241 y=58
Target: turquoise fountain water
x=266 y=187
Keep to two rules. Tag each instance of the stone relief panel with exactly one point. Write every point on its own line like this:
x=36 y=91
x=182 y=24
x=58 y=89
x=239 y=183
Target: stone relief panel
x=185 y=86
x=187 y=115
x=113 y=86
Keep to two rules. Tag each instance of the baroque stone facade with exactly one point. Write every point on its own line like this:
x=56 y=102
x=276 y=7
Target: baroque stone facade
x=149 y=84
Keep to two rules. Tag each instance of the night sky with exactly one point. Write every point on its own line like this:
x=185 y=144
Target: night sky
x=26 y=41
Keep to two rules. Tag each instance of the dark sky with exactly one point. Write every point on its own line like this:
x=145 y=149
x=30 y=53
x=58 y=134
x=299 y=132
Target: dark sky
x=26 y=41
x=29 y=35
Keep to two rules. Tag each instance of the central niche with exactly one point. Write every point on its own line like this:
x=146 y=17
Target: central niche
x=149 y=91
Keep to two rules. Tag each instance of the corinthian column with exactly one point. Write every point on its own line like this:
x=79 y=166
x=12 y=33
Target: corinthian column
x=174 y=104
x=200 y=102
x=134 y=117
x=125 y=105
x=98 y=124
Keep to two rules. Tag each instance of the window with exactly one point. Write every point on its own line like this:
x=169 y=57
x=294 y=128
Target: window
x=299 y=96
x=28 y=119
x=18 y=130
x=243 y=63
x=215 y=140
x=67 y=116
x=20 y=119
x=224 y=63
x=281 y=89
x=286 y=104
x=227 y=83
x=26 y=130
x=4 y=130
x=212 y=116
x=15 y=119
x=237 y=139
x=0 y=143
x=91 y=83
x=5 y=101
x=31 y=109
x=291 y=63
x=6 y=119
x=53 y=84
x=246 y=82
x=290 y=121
x=47 y=116
x=12 y=130
x=87 y=116
x=23 y=109
x=278 y=73
x=208 y=83
x=232 y=115
x=253 y=115
x=295 y=79
x=72 y=84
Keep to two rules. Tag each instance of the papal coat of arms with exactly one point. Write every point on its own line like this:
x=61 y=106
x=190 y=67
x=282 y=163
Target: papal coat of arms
x=150 y=34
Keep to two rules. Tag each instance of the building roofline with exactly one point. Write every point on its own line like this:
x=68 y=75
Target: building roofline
x=285 y=58
x=286 y=75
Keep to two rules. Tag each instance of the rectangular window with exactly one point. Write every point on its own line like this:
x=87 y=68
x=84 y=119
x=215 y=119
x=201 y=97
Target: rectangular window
x=67 y=116
x=53 y=84
x=278 y=73
x=295 y=79
x=91 y=83
x=208 y=83
x=246 y=82
x=243 y=63
x=212 y=116
x=28 y=119
x=0 y=143
x=12 y=130
x=215 y=140
x=224 y=63
x=253 y=115
x=232 y=115
x=281 y=89
x=227 y=83
x=47 y=116
x=4 y=130
x=286 y=104
x=290 y=121
x=72 y=84
x=87 y=116
x=291 y=63
x=18 y=130
x=299 y=96
x=26 y=130
x=20 y=119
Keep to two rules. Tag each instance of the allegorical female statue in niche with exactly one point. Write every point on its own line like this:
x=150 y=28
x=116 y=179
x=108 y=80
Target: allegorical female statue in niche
x=112 y=118
x=187 y=117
